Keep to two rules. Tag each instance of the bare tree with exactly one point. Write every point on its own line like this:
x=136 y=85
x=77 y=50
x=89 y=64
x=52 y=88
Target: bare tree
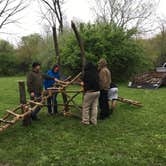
x=125 y=13
x=52 y=13
x=9 y=9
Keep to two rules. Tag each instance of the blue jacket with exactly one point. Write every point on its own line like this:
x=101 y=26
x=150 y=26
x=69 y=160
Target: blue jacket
x=49 y=83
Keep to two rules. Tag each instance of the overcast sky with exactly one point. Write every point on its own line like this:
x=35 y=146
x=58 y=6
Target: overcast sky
x=31 y=21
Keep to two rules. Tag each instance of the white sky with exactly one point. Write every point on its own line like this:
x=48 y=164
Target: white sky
x=31 y=21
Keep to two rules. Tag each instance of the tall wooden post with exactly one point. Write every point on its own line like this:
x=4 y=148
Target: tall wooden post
x=81 y=45
x=22 y=92
x=56 y=45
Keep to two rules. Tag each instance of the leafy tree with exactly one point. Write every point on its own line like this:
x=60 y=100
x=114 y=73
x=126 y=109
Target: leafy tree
x=123 y=53
x=8 y=61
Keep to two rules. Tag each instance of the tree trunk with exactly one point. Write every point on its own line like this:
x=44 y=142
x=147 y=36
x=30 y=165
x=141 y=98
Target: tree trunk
x=56 y=45
x=81 y=45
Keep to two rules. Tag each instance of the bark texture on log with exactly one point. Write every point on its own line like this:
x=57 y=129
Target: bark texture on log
x=81 y=44
x=56 y=45
x=27 y=118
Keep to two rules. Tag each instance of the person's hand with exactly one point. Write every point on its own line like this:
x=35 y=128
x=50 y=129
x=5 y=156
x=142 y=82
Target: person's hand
x=55 y=79
x=81 y=83
x=32 y=94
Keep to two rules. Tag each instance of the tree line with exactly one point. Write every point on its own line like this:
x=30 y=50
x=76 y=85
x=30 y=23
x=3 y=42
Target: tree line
x=126 y=54
x=113 y=35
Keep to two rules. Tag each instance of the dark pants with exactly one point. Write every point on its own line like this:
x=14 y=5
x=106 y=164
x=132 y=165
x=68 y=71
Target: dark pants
x=36 y=111
x=52 y=104
x=103 y=103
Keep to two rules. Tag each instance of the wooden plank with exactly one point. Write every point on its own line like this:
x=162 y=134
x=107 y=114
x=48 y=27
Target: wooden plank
x=14 y=110
x=22 y=92
x=80 y=43
x=12 y=113
x=5 y=121
x=36 y=103
x=128 y=101
x=27 y=119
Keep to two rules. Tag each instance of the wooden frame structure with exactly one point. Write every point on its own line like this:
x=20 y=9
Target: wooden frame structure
x=24 y=110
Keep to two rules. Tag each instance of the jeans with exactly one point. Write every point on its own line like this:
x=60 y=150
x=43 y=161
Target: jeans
x=103 y=103
x=36 y=111
x=52 y=104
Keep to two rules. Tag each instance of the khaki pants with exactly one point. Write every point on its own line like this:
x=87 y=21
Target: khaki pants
x=90 y=107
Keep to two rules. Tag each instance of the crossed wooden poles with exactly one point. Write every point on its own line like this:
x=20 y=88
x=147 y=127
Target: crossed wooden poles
x=24 y=110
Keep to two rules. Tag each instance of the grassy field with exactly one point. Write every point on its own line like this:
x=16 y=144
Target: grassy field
x=132 y=136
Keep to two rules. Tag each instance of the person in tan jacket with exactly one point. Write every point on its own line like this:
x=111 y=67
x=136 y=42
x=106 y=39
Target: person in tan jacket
x=104 y=82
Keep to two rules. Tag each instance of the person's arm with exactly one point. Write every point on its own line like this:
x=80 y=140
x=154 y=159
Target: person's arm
x=30 y=84
x=47 y=77
x=60 y=81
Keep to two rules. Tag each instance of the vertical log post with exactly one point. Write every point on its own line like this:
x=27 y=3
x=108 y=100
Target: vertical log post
x=22 y=92
x=56 y=45
x=81 y=45
x=65 y=101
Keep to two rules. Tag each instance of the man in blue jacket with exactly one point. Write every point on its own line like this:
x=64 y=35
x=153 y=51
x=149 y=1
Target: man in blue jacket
x=52 y=101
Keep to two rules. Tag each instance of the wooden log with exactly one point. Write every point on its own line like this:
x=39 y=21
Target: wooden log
x=68 y=78
x=35 y=103
x=75 y=78
x=5 y=121
x=74 y=103
x=13 y=113
x=27 y=119
x=56 y=45
x=128 y=101
x=69 y=105
x=14 y=110
x=80 y=43
x=64 y=96
x=67 y=91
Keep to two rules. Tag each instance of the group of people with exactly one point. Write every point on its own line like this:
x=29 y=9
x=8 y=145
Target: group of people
x=97 y=85
x=35 y=82
x=98 y=88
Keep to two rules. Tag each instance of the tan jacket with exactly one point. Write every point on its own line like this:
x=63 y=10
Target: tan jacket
x=104 y=78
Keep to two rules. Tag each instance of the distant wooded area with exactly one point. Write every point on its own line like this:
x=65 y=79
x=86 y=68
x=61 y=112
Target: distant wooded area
x=114 y=35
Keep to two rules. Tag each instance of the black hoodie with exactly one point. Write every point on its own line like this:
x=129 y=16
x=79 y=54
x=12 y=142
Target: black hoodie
x=91 y=78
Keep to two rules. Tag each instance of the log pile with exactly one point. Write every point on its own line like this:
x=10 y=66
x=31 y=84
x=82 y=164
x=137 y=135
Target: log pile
x=150 y=80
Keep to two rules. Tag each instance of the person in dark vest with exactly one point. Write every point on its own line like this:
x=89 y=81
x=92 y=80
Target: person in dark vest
x=52 y=101
x=91 y=96
x=104 y=82
x=35 y=85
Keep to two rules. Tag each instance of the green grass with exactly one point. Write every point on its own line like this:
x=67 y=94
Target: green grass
x=132 y=136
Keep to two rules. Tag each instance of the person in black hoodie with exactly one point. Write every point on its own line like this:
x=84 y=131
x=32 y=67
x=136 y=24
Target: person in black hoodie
x=91 y=96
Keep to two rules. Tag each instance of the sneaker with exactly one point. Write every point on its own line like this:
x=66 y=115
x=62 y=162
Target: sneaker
x=85 y=123
x=93 y=123
x=50 y=114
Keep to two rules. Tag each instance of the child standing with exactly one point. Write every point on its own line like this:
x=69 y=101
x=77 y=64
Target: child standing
x=113 y=96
